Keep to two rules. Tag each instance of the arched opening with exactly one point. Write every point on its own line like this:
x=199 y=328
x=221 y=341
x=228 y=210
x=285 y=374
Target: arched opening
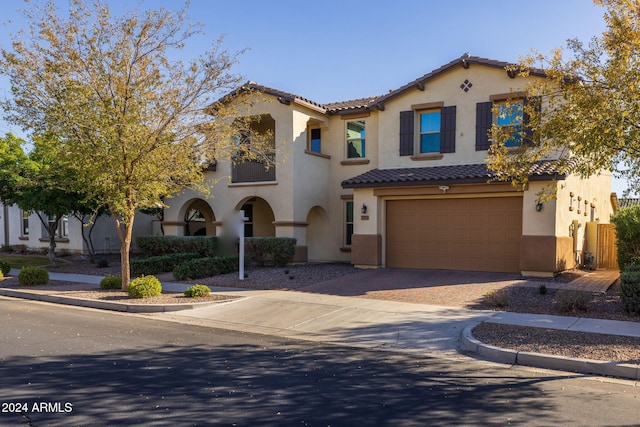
x=318 y=235
x=260 y=217
x=198 y=218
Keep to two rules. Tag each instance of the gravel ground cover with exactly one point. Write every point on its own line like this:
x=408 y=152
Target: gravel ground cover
x=520 y=299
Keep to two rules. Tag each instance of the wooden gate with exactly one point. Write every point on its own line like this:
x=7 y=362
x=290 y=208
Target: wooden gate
x=607 y=255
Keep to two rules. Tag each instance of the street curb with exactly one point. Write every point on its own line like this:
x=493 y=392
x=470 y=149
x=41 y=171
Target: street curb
x=106 y=305
x=539 y=360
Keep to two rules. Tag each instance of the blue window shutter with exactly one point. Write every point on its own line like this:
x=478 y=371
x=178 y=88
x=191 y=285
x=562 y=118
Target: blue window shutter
x=406 y=132
x=448 y=129
x=484 y=119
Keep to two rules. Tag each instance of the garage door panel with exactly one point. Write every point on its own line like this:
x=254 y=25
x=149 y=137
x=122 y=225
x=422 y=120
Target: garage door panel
x=481 y=234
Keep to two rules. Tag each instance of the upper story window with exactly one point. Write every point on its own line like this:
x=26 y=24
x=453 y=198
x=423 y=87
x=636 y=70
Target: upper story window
x=430 y=131
x=505 y=110
x=427 y=130
x=509 y=115
x=356 y=139
x=315 y=140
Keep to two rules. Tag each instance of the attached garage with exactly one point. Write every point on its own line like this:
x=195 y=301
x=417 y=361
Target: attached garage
x=475 y=234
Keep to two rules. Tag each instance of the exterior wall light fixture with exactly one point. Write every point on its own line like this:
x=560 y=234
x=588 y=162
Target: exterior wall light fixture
x=363 y=209
x=538 y=206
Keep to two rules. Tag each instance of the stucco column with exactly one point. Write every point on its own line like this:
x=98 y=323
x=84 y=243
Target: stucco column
x=366 y=242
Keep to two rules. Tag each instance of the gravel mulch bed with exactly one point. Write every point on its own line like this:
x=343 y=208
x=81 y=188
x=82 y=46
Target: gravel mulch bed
x=582 y=345
x=282 y=278
x=529 y=300
x=81 y=290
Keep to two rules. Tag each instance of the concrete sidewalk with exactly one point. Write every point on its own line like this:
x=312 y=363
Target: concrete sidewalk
x=378 y=324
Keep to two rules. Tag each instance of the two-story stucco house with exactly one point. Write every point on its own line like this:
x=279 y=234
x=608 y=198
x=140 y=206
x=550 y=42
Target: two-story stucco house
x=399 y=180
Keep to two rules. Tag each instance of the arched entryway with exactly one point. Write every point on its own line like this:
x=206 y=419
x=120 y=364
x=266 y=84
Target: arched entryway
x=198 y=218
x=260 y=217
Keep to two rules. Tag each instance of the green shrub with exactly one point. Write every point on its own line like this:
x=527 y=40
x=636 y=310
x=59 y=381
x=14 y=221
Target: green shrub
x=497 y=298
x=150 y=246
x=33 y=276
x=197 y=291
x=277 y=249
x=630 y=289
x=1 y=275
x=205 y=267
x=542 y=289
x=160 y=264
x=5 y=268
x=571 y=301
x=627 y=222
x=111 y=282
x=144 y=287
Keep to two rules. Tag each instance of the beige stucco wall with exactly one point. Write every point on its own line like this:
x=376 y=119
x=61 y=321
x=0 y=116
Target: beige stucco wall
x=446 y=88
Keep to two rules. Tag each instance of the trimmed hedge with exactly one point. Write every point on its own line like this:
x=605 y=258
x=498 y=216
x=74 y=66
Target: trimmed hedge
x=627 y=222
x=630 y=289
x=144 y=287
x=111 y=282
x=277 y=249
x=151 y=246
x=33 y=276
x=206 y=267
x=160 y=264
x=197 y=291
x=5 y=268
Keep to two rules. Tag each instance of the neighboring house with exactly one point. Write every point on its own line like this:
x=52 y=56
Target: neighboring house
x=24 y=229
x=399 y=180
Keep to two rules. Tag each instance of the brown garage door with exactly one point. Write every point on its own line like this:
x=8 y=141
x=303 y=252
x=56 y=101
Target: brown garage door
x=481 y=234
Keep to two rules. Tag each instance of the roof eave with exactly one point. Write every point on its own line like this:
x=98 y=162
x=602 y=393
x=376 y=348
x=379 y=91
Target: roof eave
x=446 y=181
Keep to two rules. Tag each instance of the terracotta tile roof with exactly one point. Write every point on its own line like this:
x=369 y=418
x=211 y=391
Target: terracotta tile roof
x=282 y=96
x=361 y=103
x=377 y=102
x=435 y=175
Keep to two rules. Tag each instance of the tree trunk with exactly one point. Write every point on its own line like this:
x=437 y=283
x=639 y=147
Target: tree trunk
x=86 y=236
x=125 y=247
x=51 y=228
x=125 y=271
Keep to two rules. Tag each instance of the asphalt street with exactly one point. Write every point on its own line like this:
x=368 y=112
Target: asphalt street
x=74 y=366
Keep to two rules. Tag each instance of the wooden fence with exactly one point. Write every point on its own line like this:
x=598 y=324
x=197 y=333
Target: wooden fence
x=607 y=255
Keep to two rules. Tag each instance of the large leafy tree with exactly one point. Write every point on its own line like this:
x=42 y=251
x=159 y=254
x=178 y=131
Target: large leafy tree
x=586 y=111
x=38 y=182
x=133 y=123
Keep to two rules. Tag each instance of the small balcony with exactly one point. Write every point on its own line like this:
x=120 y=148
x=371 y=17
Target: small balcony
x=253 y=170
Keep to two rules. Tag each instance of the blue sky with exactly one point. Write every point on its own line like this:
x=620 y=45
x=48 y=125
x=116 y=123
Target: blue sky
x=337 y=50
